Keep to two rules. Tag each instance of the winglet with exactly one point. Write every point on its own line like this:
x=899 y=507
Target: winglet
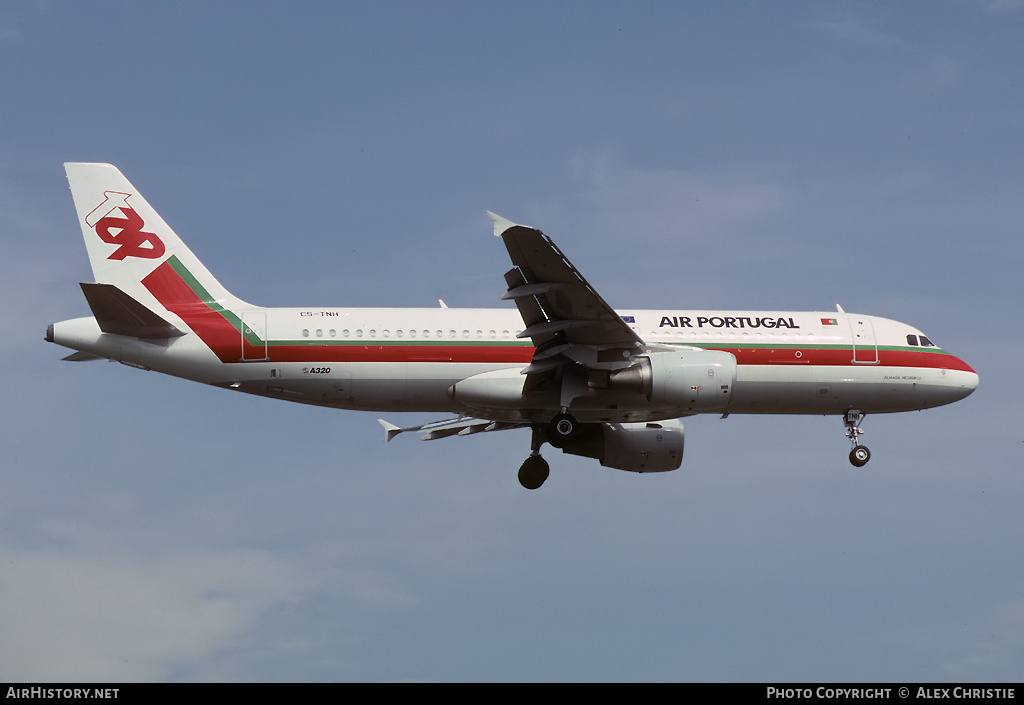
x=500 y=224
x=390 y=430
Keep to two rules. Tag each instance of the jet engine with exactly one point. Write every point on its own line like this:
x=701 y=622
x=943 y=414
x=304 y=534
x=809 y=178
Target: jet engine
x=655 y=446
x=691 y=380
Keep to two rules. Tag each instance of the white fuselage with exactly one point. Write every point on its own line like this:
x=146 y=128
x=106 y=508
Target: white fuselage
x=409 y=359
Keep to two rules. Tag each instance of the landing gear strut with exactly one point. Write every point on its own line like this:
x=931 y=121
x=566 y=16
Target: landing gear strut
x=860 y=455
x=534 y=469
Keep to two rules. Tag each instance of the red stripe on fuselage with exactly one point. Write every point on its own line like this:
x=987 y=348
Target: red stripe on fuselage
x=226 y=342
x=212 y=328
x=522 y=355
x=838 y=357
x=517 y=354
x=499 y=354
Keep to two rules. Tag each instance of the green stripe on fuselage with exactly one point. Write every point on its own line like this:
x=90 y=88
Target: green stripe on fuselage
x=203 y=295
x=236 y=322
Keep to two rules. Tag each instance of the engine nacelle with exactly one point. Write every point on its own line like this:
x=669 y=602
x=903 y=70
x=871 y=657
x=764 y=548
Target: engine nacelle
x=655 y=446
x=498 y=389
x=691 y=380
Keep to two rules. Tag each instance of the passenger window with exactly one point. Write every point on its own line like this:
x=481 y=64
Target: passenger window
x=911 y=340
x=305 y=332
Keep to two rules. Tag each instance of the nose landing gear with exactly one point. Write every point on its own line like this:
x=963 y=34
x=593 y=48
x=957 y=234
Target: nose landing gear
x=860 y=455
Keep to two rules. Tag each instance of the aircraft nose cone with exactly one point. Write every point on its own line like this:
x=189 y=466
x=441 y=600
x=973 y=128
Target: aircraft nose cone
x=963 y=380
x=974 y=381
x=971 y=383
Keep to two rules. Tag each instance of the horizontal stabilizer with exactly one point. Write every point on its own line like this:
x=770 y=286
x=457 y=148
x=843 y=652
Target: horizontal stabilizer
x=390 y=430
x=118 y=313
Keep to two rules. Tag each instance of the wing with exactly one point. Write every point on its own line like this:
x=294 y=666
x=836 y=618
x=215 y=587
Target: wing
x=576 y=334
x=568 y=321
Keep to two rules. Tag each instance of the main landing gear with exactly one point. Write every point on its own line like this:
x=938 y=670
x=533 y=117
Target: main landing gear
x=559 y=431
x=533 y=472
x=534 y=469
x=860 y=455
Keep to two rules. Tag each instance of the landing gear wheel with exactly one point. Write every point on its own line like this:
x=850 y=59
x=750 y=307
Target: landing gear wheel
x=533 y=472
x=561 y=430
x=859 y=456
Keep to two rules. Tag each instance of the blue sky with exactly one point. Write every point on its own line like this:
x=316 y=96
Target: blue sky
x=684 y=155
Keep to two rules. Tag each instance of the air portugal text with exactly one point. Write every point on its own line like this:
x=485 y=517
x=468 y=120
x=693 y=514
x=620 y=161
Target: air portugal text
x=726 y=322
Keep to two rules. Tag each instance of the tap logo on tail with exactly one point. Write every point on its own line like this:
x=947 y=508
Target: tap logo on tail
x=125 y=230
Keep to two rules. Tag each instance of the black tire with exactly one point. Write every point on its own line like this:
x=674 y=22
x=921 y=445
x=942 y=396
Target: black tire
x=533 y=472
x=860 y=456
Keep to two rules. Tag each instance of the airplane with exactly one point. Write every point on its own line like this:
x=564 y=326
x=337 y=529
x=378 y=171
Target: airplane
x=583 y=377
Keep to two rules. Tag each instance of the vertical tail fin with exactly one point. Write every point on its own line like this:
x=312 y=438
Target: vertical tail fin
x=128 y=241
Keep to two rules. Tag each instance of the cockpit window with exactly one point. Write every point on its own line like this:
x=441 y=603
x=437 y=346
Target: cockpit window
x=925 y=341
x=911 y=340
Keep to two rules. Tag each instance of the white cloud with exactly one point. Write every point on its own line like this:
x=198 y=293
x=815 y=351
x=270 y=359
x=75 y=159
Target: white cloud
x=937 y=74
x=980 y=646
x=657 y=204
x=101 y=615
x=852 y=30
x=1004 y=5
